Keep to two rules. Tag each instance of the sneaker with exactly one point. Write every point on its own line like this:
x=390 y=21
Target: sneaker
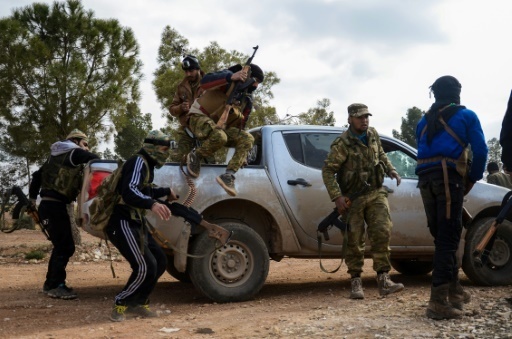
x=386 y=286
x=193 y=164
x=62 y=292
x=357 y=288
x=117 y=313
x=45 y=289
x=141 y=311
x=227 y=181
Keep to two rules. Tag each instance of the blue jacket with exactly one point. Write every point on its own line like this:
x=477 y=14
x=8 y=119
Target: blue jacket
x=467 y=127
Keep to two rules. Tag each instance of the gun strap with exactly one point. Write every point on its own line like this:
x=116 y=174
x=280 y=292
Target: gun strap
x=319 y=239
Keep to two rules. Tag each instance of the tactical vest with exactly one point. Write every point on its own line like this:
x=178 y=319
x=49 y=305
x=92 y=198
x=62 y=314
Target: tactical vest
x=362 y=164
x=62 y=179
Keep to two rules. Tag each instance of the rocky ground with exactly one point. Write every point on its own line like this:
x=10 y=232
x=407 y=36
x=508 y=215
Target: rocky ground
x=298 y=300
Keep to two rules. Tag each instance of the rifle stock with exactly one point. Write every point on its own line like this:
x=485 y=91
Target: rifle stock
x=224 y=117
x=479 y=249
x=484 y=247
x=193 y=217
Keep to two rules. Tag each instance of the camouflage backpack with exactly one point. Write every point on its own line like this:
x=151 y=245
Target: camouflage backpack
x=106 y=199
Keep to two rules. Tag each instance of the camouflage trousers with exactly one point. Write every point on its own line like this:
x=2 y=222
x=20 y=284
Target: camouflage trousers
x=186 y=143
x=213 y=138
x=242 y=142
x=372 y=208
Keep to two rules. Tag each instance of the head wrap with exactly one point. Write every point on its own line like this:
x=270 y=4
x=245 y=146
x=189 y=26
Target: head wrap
x=446 y=91
x=256 y=71
x=77 y=134
x=153 y=146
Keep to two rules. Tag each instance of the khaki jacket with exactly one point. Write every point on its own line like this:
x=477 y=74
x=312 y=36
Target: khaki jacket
x=185 y=93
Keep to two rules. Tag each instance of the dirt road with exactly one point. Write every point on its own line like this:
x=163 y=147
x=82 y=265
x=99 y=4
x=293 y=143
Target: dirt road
x=298 y=300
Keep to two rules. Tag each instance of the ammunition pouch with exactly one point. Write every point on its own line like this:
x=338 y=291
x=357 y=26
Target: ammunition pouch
x=379 y=173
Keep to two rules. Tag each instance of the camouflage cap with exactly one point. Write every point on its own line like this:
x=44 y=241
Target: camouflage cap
x=77 y=134
x=358 y=110
x=156 y=137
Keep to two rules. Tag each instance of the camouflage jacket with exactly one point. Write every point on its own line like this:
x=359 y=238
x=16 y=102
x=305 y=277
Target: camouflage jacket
x=185 y=92
x=350 y=164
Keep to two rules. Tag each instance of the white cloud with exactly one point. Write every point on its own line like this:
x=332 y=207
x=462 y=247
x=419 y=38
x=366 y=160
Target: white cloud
x=385 y=54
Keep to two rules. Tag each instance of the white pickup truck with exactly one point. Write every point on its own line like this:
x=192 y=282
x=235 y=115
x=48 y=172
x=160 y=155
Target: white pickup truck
x=281 y=200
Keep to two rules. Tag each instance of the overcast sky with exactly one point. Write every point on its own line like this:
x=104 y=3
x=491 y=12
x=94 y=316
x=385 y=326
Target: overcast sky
x=382 y=53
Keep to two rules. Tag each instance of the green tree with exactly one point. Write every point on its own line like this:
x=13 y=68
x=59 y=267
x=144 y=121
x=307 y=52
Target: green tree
x=212 y=58
x=61 y=68
x=318 y=115
x=130 y=137
x=408 y=128
x=494 y=150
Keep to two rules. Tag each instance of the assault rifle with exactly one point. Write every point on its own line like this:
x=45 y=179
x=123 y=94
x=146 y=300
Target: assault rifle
x=333 y=219
x=194 y=218
x=31 y=209
x=240 y=86
x=484 y=247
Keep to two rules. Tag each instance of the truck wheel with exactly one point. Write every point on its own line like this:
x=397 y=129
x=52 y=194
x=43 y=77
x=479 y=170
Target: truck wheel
x=498 y=270
x=183 y=277
x=412 y=267
x=234 y=272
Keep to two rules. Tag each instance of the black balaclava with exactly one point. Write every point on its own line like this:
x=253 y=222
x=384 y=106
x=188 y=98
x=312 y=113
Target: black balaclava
x=446 y=91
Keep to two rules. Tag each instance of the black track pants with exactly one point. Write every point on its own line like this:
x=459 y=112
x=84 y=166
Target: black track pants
x=147 y=264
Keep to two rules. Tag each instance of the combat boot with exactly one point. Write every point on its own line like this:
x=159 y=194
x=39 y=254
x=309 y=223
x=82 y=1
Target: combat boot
x=386 y=285
x=193 y=164
x=439 y=307
x=227 y=181
x=356 y=285
x=457 y=297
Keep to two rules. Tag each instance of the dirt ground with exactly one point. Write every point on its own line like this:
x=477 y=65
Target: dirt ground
x=298 y=300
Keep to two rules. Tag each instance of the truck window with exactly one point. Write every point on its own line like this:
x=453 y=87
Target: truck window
x=309 y=149
x=404 y=164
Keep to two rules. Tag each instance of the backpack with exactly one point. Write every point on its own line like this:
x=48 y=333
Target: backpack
x=106 y=199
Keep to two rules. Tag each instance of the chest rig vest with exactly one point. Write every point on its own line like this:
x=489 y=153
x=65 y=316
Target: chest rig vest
x=362 y=167
x=62 y=179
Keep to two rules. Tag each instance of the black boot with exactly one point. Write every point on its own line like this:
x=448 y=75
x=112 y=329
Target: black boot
x=439 y=307
x=457 y=296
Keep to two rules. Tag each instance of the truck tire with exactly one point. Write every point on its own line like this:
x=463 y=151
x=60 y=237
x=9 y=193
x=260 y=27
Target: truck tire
x=234 y=272
x=412 y=267
x=183 y=277
x=498 y=270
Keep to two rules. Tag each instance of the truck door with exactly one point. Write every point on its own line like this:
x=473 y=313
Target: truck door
x=299 y=173
x=300 y=178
